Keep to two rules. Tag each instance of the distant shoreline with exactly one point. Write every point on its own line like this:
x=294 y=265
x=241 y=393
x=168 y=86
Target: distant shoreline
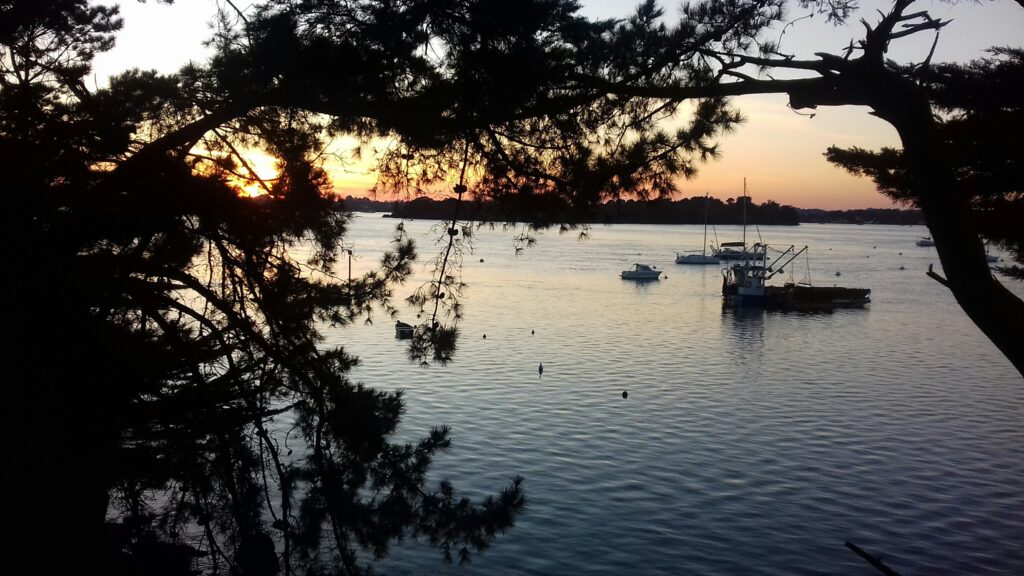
x=685 y=211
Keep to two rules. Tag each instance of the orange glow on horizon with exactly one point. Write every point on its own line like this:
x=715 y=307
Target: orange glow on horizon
x=778 y=151
x=781 y=154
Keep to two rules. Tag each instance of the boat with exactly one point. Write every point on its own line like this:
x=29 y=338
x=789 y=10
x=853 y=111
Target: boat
x=693 y=257
x=926 y=241
x=641 y=272
x=738 y=250
x=735 y=251
x=745 y=285
x=403 y=331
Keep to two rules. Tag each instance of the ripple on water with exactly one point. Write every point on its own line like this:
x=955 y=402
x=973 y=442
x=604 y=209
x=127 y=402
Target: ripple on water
x=750 y=443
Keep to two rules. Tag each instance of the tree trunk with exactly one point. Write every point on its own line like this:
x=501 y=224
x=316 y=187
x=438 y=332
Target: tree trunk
x=61 y=419
x=990 y=305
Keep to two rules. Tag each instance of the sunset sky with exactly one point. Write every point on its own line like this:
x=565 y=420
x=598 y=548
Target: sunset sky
x=777 y=150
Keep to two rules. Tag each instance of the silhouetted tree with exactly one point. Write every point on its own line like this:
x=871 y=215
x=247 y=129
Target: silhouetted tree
x=161 y=320
x=979 y=123
x=718 y=49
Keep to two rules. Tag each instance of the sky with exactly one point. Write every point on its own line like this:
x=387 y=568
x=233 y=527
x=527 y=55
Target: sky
x=778 y=151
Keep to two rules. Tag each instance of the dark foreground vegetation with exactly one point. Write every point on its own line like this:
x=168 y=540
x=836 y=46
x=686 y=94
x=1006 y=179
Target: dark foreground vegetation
x=173 y=406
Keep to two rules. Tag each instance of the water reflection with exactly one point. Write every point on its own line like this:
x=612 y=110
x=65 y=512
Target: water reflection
x=642 y=286
x=743 y=429
x=744 y=330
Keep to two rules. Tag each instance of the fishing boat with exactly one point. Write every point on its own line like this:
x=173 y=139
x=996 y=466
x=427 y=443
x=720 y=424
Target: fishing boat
x=745 y=285
x=693 y=257
x=641 y=272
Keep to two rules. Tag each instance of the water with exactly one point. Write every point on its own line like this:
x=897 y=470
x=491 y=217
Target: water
x=750 y=443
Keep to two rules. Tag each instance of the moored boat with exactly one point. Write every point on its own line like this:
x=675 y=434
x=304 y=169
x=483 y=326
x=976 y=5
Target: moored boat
x=641 y=272
x=925 y=241
x=403 y=331
x=735 y=251
x=738 y=250
x=693 y=257
x=745 y=284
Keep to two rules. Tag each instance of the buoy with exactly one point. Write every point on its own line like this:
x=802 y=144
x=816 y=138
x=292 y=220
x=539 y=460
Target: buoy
x=902 y=268
x=532 y=332
x=540 y=369
x=481 y=259
x=838 y=273
x=901 y=253
x=625 y=394
x=485 y=336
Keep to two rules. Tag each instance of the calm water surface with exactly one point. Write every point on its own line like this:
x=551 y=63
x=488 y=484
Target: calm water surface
x=750 y=443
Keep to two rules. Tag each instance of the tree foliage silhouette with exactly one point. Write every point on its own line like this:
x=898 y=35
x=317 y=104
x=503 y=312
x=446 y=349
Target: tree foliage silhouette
x=978 y=122
x=165 y=324
x=720 y=49
x=165 y=327
x=189 y=325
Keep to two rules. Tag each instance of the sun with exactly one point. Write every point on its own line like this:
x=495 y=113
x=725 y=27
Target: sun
x=258 y=171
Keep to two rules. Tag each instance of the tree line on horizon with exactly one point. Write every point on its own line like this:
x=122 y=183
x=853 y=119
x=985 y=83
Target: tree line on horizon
x=660 y=211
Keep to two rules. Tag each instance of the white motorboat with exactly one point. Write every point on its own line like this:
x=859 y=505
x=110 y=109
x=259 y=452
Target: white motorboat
x=641 y=272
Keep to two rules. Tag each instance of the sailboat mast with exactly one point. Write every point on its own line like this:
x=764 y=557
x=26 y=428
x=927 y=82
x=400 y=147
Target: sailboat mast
x=744 y=200
x=704 y=248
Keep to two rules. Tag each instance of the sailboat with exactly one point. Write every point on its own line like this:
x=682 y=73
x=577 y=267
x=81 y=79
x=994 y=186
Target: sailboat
x=693 y=257
x=738 y=250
